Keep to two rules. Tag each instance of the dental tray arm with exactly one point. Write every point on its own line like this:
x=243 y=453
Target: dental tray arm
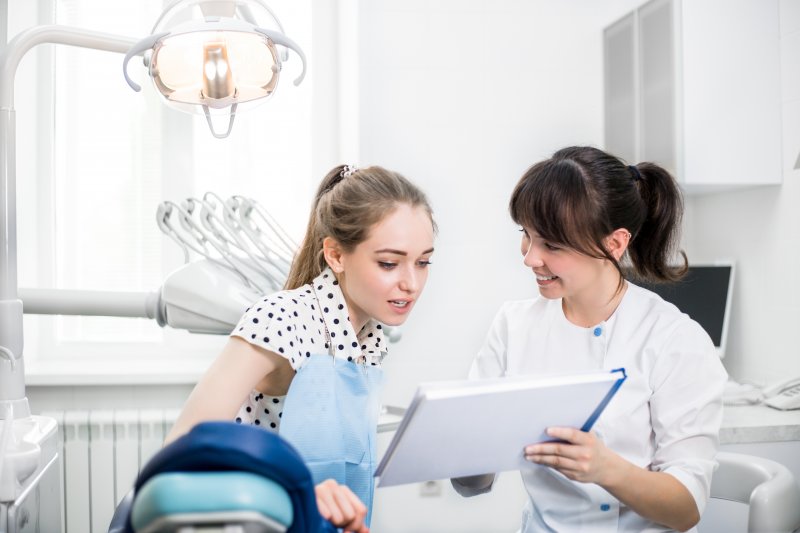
x=200 y=297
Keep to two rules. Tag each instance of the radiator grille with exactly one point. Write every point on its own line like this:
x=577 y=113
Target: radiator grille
x=102 y=452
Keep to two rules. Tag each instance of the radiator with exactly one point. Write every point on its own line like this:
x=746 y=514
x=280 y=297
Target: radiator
x=102 y=451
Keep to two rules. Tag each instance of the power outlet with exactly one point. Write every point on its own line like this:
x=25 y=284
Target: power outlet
x=430 y=489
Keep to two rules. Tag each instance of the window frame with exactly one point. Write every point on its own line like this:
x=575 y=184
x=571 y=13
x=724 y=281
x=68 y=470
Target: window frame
x=50 y=362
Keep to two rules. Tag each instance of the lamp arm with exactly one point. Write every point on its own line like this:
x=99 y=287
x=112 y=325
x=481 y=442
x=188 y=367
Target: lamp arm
x=279 y=38
x=135 y=50
x=91 y=303
x=53 y=34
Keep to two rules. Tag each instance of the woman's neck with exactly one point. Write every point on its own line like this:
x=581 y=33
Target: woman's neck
x=588 y=310
x=357 y=317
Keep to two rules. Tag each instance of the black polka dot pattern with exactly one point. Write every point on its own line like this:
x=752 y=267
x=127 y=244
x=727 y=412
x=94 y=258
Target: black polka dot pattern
x=279 y=323
x=261 y=410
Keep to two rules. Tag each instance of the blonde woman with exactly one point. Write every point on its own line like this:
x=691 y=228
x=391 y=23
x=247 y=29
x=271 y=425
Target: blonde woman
x=306 y=361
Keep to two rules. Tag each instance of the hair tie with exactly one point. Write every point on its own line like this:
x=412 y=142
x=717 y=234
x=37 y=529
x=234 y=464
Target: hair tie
x=348 y=170
x=635 y=171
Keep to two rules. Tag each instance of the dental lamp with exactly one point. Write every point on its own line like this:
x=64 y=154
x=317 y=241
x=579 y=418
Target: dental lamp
x=217 y=63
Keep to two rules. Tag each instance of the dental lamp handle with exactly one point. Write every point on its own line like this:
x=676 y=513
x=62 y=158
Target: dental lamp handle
x=138 y=49
x=211 y=124
x=279 y=38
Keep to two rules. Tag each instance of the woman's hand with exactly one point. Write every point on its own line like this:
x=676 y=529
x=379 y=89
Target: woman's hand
x=583 y=457
x=341 y=507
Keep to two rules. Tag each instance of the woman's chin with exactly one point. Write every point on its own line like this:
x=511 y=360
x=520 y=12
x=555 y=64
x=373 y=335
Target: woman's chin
x=393 y=319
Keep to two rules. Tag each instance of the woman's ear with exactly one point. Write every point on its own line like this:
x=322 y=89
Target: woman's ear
x=333 y=254
x=617 y=242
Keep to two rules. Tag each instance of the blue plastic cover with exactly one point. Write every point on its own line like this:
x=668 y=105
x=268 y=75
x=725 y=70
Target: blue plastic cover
x=210 y=493
x=228 y=446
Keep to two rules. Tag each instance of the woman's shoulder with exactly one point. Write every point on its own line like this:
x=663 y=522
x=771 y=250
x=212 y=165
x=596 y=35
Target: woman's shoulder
x=661 y=316
x=282 y=303
x=646 y=302
x=523 y=312
x=525 y=307
x=286 y=322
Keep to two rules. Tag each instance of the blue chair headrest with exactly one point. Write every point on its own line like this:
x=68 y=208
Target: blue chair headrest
x=229 y=446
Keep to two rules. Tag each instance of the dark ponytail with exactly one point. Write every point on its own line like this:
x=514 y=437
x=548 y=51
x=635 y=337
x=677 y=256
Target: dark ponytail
x=655 y=244
x=582 y=194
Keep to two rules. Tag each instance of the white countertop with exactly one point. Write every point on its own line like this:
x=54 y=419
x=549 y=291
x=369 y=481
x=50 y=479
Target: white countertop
x=758 y=423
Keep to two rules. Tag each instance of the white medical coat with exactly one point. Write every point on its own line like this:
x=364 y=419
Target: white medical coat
x=665 y=417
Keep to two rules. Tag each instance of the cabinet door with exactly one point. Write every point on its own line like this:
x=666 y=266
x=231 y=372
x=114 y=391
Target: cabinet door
x=620 y=91
x=658 y=83
x=732 y=110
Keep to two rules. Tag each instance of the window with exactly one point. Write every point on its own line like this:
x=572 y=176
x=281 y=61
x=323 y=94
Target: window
x=106 y=156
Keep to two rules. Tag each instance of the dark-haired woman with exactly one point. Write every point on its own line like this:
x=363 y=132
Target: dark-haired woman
x=306 y=361
x=647 y=465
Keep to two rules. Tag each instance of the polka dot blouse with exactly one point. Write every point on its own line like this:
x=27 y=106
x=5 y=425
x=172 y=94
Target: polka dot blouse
x=292 y=324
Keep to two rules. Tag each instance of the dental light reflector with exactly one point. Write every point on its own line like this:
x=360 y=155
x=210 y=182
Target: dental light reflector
x=214 y=65
x=203 y=68
x=217 y=79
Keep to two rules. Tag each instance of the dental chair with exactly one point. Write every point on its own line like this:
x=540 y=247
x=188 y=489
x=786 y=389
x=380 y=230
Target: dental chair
x=767 y=486
x=223 y=476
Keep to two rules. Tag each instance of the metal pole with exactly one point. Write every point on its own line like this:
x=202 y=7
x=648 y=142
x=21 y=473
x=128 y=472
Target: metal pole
x=12 y=375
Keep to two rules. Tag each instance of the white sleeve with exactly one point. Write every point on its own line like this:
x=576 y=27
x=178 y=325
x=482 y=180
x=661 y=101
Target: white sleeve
x=491 y=361
x=686 y=409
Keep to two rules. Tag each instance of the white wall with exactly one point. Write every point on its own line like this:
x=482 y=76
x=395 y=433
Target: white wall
x=760 y=230
x=462 y=97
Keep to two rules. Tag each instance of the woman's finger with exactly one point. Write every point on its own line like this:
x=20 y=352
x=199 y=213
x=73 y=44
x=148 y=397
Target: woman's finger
x=326 y=502
x=358 y=505
x=353 y=511
x=569 y=451
x=571 y=435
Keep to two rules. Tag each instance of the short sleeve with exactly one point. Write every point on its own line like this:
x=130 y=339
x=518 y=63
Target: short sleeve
x=686 y=409
x=285 y=324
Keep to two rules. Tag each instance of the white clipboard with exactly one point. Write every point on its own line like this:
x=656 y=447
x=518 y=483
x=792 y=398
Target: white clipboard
x=464 y=428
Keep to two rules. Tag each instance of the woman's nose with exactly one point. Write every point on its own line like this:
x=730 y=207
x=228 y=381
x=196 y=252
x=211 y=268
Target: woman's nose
x=409 y=281
x=532 y=257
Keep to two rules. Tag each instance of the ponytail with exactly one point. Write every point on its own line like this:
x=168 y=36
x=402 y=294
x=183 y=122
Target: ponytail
x=309 y=262
x=655 y=243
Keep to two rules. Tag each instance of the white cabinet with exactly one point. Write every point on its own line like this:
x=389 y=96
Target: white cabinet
x=695 y=86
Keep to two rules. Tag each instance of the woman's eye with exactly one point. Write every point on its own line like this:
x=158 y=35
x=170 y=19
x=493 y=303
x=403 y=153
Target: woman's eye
x=524 y=232
x=551 y=247
x=424 y=263
x=387 y=265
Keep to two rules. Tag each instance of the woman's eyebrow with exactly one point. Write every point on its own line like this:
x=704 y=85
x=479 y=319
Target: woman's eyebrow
x=400 y=252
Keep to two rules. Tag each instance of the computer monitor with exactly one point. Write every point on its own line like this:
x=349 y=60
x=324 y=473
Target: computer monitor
x=705 y=295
